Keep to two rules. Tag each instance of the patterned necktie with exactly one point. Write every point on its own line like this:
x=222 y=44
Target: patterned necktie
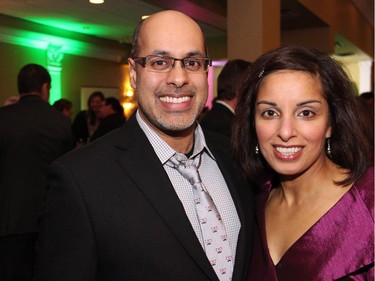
x=215 y=240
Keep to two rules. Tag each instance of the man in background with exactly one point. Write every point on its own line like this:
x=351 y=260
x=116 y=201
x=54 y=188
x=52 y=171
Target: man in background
x=112 y=116
x=220 y=117
x=65 y=107
x=32 y=135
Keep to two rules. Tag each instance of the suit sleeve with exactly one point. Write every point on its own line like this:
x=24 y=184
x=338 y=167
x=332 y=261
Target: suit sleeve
x=65 y=244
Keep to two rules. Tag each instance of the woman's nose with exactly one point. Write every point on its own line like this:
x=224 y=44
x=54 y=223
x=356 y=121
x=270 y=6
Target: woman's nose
x=287 y=128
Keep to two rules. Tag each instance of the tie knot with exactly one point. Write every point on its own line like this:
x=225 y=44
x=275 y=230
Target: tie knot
x=187 y=168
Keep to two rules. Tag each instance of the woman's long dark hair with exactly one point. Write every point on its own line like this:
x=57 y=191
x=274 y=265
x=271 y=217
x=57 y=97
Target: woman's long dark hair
x=91 y=114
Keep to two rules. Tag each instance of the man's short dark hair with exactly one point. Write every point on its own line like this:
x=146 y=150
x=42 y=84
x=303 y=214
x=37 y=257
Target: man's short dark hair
x=115 y=104
x=31 y=78
x=230 y=78
x=62 y=104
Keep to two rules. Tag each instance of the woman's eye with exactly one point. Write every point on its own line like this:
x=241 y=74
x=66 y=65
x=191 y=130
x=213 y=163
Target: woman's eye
x=269 y=113
x=306 y=113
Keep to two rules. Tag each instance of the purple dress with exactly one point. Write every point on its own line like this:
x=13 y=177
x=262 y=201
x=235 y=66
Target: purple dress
x=339 y=245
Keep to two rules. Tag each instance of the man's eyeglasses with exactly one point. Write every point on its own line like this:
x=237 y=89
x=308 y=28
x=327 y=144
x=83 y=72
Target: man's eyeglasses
x=165 y=64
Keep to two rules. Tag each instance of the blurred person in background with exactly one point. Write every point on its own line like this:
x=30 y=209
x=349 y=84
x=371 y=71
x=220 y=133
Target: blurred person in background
x=112 y=116
x=65 y=107
x=220 y=117
x=32 y=135
x=87 y=121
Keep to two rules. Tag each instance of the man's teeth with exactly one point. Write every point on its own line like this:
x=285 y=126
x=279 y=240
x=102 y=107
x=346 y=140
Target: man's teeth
x=288 y=150
x=174 y=100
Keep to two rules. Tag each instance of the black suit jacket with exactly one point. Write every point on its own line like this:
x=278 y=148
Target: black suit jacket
x=112 y=213
x=218 y=119
x=32 y=135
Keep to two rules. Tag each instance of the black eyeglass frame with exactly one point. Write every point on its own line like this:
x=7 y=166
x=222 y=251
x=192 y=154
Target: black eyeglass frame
x=142 y=61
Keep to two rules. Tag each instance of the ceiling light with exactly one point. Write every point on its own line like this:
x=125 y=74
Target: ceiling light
x=97 y=1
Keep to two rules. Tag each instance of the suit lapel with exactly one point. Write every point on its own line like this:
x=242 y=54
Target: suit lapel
x=140 y=162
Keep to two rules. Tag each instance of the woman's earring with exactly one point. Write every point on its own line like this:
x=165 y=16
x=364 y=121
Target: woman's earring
x=329 y=147
x=256 y=150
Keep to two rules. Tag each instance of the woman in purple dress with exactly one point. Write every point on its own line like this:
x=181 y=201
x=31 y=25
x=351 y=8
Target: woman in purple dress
x=298 y=134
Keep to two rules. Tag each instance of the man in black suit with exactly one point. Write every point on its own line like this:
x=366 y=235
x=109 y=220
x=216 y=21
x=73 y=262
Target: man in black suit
x=220 y=117
x=115 y=209
x=32 y=135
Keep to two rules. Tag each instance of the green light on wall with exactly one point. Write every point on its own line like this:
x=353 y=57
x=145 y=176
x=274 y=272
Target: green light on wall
x=55 y=92
x=56 y=46
x=32 y=39
x=76 y=26
x=55 y=56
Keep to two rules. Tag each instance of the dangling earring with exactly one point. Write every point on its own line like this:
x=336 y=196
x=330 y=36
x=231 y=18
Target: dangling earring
x=329 y=147
x=256 y=150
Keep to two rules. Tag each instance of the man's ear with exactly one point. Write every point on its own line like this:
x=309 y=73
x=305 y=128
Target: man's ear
x=45 y=91
x=133 y=73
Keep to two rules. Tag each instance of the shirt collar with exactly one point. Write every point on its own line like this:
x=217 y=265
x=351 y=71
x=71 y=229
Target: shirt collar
x=164 y=151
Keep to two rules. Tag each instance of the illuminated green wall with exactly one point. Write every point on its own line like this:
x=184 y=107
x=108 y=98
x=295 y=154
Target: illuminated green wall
x=76 y=72
x=73 y=60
